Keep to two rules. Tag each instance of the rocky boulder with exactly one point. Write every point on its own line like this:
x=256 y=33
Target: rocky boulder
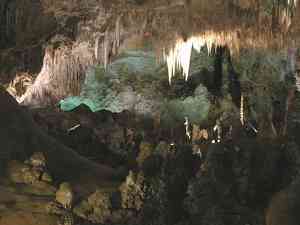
x=97 y=208
x=145 y=151
x=16 y=170
x=65 y=195
x=132 y=191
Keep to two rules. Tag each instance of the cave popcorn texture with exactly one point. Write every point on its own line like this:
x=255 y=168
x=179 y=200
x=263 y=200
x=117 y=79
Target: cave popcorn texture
x=104 y=90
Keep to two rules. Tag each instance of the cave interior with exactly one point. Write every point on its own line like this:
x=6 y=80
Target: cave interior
x=153 y=112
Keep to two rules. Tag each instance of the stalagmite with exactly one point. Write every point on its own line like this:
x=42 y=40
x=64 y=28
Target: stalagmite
x=218 y=129
x=242 y=116
x=187 y=129
x=62 y=74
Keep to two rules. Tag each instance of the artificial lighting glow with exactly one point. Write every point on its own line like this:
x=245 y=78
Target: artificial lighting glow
x=178 y=57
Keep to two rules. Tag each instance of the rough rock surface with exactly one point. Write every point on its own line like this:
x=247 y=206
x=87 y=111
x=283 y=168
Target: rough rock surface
x=37 y=160
x=65 y=195
x=18 y=125
x=21 y=206
x=132 y=191
x=32 y=171
x=97 y=208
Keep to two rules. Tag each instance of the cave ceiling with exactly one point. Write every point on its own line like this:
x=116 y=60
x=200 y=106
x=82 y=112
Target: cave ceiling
x=249 y=23
x=103 y=24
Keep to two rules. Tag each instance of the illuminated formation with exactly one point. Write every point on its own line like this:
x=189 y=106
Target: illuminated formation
x=242 y=115
x=178 y=57
x=187 y=130
x=62 y=73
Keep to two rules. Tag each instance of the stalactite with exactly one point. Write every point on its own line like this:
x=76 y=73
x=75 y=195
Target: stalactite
x=117 y=34
x=111 y=42
x=179 y=56
x=282 y=14
x=106 y=49
x=96 y=50
x=257 y=35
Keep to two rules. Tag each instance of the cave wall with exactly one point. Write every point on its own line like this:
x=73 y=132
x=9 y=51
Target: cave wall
x=17 y=124
x=30 y=26
x=7 y=23
x=18 y=20
x=25 y=27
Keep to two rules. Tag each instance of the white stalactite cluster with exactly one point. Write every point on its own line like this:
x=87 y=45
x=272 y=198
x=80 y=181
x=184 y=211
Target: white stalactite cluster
x=111 y=42
x=293 y=2
x=108 y=43
x=178 y=57
x=286 y=14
